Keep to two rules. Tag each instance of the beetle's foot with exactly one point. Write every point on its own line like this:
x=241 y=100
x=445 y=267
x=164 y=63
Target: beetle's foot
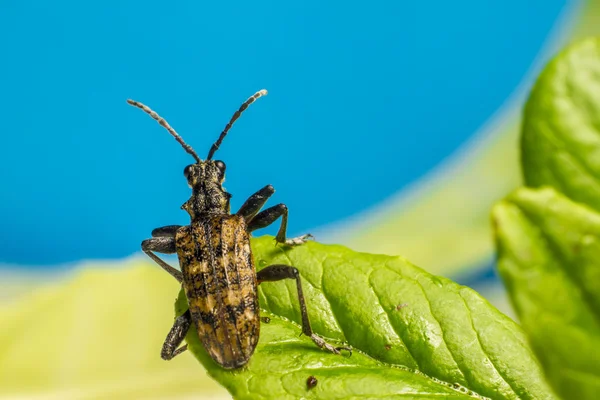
x=347 y=348
x=319 y=341
x=297 y=240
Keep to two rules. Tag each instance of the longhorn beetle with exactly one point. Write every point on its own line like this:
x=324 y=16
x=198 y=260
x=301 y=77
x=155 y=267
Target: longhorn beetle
x=217 y=268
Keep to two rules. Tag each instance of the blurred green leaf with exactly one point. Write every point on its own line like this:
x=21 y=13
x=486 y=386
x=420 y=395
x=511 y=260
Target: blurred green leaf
x=561 y=126
x=549 y=258
x=414 y=334
x=547 y=241
x=95 y=333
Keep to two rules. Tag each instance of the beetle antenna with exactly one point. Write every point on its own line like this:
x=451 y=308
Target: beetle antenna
x=165 y=125
x=235 y=116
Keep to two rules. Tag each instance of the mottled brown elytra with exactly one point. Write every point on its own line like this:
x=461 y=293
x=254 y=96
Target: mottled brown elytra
x=217 y=268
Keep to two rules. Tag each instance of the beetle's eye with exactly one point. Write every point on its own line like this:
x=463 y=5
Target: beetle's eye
x=186 y=171
x=221 y=165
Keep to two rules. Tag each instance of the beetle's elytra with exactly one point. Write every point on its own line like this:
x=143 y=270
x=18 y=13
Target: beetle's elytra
x=217 y=268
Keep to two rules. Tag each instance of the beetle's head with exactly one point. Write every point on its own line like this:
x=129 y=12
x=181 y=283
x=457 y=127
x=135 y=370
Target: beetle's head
x=204 y=172
x=208 y=194
x=205 y=177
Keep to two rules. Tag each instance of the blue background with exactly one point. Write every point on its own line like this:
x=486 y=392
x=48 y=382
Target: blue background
x=363 y=99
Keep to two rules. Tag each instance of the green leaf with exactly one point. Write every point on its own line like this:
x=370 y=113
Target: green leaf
x=561 y=126
x=549 y=259
x=415 y=335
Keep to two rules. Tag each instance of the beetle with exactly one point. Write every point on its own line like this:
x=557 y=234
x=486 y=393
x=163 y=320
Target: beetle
x=217 y=268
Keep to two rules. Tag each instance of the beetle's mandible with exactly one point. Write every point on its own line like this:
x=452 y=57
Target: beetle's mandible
x=217 y=268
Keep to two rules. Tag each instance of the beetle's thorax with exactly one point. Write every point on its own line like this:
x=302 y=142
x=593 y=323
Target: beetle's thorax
x=208 y=195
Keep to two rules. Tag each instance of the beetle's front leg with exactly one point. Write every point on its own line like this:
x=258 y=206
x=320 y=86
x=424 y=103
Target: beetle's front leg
x=175 y=337
x=255 y=202
x=163 y=242
x=268 y=216
x=278 y=272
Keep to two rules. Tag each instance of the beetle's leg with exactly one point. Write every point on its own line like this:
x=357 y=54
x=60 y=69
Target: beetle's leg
x=176 y=335
x=167 y=231
x=255 y=202
x=162 y=244
x=268 y=216
x=278 y=272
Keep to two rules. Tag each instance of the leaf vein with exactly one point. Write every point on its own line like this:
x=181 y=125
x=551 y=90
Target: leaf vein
x=482 y=347
x=437 y=321
x=389 y=320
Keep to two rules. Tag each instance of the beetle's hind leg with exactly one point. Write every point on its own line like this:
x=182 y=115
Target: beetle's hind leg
x=278 y=272
x=176 y=335
x=270 y=215
x=163 y=241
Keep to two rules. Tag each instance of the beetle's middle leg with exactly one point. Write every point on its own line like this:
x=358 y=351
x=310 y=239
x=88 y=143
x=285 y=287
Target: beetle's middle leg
x=270 y=215
x=278 y=272
x=163 y=241
x=176 y=335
